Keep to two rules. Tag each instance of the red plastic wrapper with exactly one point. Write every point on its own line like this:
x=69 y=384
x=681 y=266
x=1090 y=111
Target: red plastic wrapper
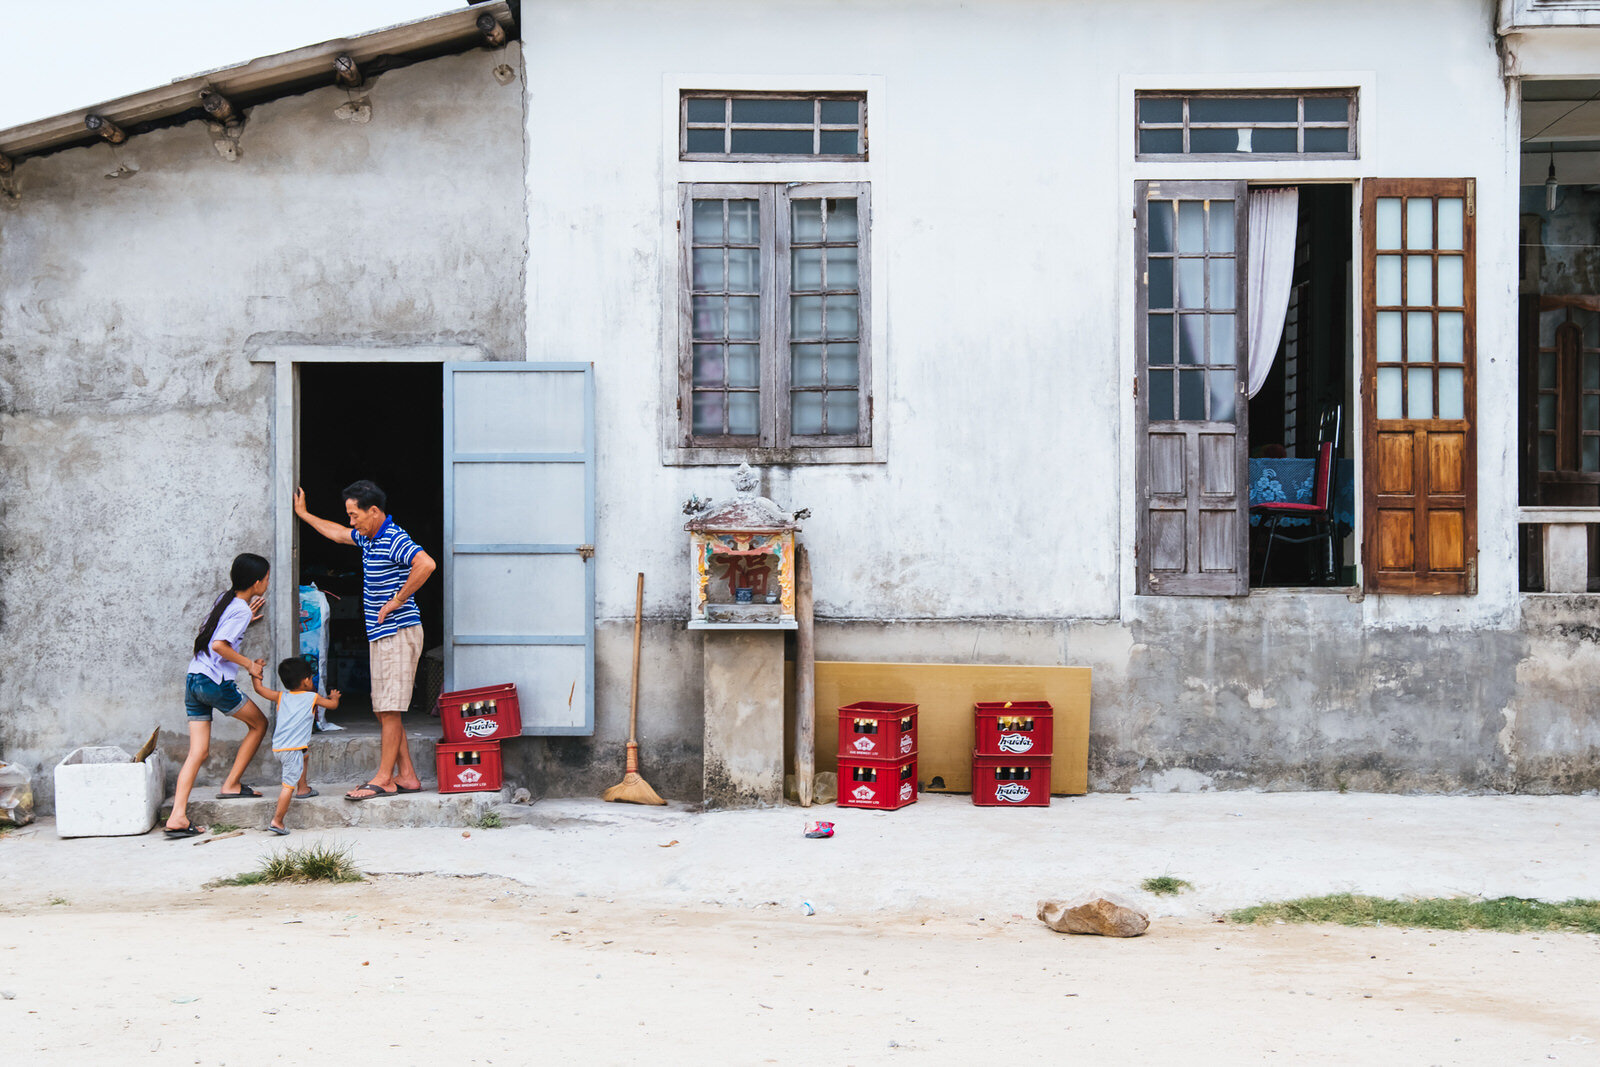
x=819 y=829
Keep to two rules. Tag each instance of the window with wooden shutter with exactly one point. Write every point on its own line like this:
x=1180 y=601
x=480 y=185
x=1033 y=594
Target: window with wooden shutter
x=1191 y=350
x=1418 y=386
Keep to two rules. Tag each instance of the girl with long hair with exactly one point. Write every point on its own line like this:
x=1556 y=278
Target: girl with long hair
x=210 y=687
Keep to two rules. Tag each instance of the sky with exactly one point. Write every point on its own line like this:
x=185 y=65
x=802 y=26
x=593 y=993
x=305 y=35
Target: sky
x=57 y=57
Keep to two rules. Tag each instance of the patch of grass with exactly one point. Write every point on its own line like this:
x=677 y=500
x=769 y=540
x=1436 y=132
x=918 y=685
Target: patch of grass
x=314 y=863
x=1509 y=914
x=1164 y=885
x=489 y=820
x=59 y=900
x=224 y=828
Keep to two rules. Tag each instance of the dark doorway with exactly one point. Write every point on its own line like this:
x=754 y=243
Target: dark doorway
x=1311 y=374
x=383 y=421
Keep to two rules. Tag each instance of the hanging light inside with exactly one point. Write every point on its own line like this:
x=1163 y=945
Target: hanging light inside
x=1550 y=186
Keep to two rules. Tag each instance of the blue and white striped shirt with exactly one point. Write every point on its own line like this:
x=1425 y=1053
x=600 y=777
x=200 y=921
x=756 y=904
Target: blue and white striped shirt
x=385 y=566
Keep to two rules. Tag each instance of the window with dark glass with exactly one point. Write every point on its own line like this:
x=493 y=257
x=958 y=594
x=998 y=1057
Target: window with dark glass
x=1231 y=125
x=775 y=322
x=723 y=126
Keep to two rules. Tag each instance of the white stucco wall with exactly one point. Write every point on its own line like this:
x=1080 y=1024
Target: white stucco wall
x=1002 y=181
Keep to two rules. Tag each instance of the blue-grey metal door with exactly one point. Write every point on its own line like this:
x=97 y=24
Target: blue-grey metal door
x=519 y=536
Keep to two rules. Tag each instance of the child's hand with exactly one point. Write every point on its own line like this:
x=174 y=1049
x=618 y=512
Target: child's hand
x=256 y=667
x=333 y=697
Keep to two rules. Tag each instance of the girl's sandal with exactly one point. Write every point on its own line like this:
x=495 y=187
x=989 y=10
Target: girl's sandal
x=187 y=831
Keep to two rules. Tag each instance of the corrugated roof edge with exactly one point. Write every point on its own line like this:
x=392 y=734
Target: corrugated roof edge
x=265 y=78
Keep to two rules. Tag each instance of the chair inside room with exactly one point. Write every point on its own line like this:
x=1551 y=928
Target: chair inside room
x=1315 y=515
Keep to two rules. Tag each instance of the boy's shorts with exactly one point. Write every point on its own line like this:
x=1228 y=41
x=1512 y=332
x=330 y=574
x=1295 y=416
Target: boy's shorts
x=294 y=765
x=201 y=696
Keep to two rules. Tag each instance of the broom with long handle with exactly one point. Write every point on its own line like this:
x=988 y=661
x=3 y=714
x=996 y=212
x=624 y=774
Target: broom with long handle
x=634 y=789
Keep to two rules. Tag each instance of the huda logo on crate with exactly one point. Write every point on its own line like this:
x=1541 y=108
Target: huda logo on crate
x=1015 y=792
x=480 y=727
x=1015 y=743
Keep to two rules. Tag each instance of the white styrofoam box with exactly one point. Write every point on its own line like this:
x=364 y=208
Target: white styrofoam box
x=101 y=792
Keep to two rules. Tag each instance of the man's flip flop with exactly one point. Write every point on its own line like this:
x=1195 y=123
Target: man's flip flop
x=244 y=793
x=375 y=791
x=402 y=789
x=187 y=831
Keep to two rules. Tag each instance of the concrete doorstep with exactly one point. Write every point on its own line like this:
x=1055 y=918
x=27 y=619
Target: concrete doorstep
x=331 y=809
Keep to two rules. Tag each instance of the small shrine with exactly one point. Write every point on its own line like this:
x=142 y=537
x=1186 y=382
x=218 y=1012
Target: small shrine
x=741 y=551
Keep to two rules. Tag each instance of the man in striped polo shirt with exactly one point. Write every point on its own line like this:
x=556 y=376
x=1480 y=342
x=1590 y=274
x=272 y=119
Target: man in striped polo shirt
x=393 y=568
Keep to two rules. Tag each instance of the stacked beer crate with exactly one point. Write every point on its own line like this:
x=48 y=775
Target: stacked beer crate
x=877 y=755
x=475 y=721
x=1011 y=763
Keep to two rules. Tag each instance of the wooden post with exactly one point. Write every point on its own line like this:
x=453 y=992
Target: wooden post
x=105 y=128
x=805 y=680
x=493 y=32
x=5 y=164
x=216 y=105
x=345 y=71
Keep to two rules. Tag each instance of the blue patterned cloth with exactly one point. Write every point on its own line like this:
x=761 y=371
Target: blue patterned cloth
x=1276 y=480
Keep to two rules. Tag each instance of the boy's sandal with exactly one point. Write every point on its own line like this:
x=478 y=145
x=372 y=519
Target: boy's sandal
x=187 y=831
x=244 y=793
x=280 y=831
x=308 y=794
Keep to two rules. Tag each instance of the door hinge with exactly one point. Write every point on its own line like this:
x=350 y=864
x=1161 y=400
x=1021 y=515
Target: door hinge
x=1136 y=387
x=869 y=411
x=586 y=551
x=680 y=409
x=1472 y=196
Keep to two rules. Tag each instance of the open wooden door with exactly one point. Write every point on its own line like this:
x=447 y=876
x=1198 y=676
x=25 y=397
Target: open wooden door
x=1190 y=391
x=1418 y=386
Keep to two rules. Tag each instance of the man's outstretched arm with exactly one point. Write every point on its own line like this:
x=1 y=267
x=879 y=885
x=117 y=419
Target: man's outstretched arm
x=333 y=531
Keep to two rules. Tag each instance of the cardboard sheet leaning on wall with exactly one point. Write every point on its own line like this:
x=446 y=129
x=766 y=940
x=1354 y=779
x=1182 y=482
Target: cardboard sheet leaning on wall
x=16 y=796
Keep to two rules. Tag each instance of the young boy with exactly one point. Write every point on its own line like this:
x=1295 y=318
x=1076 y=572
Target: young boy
x=297 y=709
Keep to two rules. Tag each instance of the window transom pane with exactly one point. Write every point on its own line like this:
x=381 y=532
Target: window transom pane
x=1271 y=125
x=765 y=126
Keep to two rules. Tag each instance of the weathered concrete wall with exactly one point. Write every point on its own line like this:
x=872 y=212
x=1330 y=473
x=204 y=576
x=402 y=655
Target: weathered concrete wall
x=135 y=433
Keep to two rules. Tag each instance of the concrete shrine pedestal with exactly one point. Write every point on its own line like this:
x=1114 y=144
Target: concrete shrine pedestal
x=744 y=718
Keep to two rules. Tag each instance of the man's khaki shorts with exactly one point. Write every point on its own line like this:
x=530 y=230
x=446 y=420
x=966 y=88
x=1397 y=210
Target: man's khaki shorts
x=394 y=668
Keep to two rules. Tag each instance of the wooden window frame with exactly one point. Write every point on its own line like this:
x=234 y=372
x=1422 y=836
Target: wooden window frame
x=1420 y=443
x=1300 y=125
x=817 y=126
x=1568 y=392
x=775 y=434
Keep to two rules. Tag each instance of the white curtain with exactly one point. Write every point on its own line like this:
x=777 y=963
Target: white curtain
x=1274 y=214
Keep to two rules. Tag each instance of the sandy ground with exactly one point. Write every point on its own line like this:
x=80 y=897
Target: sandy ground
x=579 y=938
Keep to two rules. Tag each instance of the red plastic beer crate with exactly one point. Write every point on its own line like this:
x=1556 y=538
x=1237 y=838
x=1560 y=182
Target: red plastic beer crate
x=468 y=766
x=888 y=730
x=1007 y=781
x=883 y=784
x=489 y=713
x=1029 y=728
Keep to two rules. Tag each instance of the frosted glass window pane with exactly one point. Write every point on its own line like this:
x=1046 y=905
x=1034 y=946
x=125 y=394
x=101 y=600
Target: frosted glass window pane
x=1452 y=393
x=806 y=366
x=1547 y=412
x=708 y=365
x=708 y=413
x=806 y=416
x=1222 y=271
x=844 y=364
x=1222 y=341
x=843 y=411
x=805 y=317
x=1419 y=223
x=708 y=318
x=1388 y=281
x=1388 y=222
x=1419 y=393
x=1191 y=339
x=1388 y=392
x=744 y=221
x=1547 y=370
x=805 y=270
x=742 y=413
x=1388 y=337
x=1191 y=226
x=1160 y=283
x=1450 y=281
x=703 y=109
x=1419 y=280
x=1591 y=413
x=807 y=215
x=844 y=318
x=1160 y=339
x=1224 y=385
x=708 y=272
x=1547 y=453
x=843 y=222
x=1450 y=223
x=1221 y=225
x=1191 y=283
x=771 y=142
x=796 y=111
x=1419 y=337
x=744 y=270
x=744 y=365
x=1452 y=337
x=1549 y=321
x=708 y=221
x=744 y=317
x=844 y=268
x=1161 y=225
x=839 y=142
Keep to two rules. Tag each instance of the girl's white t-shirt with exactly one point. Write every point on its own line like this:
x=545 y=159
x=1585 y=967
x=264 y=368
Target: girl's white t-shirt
x=230 y=628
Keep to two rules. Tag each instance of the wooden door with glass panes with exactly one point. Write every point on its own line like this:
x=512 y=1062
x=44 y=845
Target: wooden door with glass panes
x=1418 y=386
x=1191 y=387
